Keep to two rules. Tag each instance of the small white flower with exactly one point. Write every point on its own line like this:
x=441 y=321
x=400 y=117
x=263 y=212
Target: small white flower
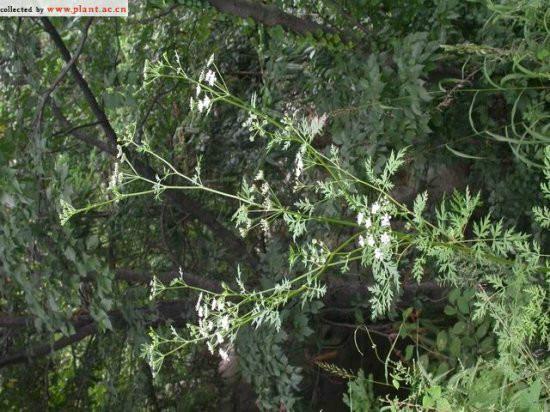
x=206 y=102
x=375 y=208
x=198 y=90
x=259 y=175
x=219 y=338
x=265 y=225
x=224 y=355
x=361 y=241
x=368 y=222
x=378 y=254
x=249 y=121
x=116 y=178
x=360 y=218
x=385 y=239
x=385 y=220
x=225 y=323
x=214 y=304
x=210 y=78
x=370 y=241
x=198 y=302
x=299 y=165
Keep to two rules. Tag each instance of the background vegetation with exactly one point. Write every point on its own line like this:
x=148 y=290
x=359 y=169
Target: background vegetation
x=277 y=205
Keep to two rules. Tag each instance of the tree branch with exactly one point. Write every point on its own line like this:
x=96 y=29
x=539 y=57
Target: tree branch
x=182 y=202
x=82 y=84
x=47 y=349
x=8 y=321
x=72 y=62
x=268 y=15
x=78 y=133
x=85 y=326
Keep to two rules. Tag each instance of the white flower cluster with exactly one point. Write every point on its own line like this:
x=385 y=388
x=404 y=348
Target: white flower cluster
x=215 y=322
x=250 y=124
x=242 y=221
x=155 y=288
x=299 y=162
x=315 y=254
x=207 y=77
x=116 y=178
x=219 y=319
x=254 y=123
x=376 y=220
x=249 y=193
x=204 y=104
x=210 y=78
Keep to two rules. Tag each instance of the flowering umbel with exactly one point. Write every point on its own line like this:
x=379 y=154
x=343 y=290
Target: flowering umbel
x=204 y=93
x=375 y=221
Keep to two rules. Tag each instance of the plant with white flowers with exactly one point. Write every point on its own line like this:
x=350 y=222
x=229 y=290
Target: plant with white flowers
x=383 y=235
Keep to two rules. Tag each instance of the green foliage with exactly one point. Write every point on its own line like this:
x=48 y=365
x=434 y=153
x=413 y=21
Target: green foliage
x=360 y=396
x=265 y=365
x=389 y=177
